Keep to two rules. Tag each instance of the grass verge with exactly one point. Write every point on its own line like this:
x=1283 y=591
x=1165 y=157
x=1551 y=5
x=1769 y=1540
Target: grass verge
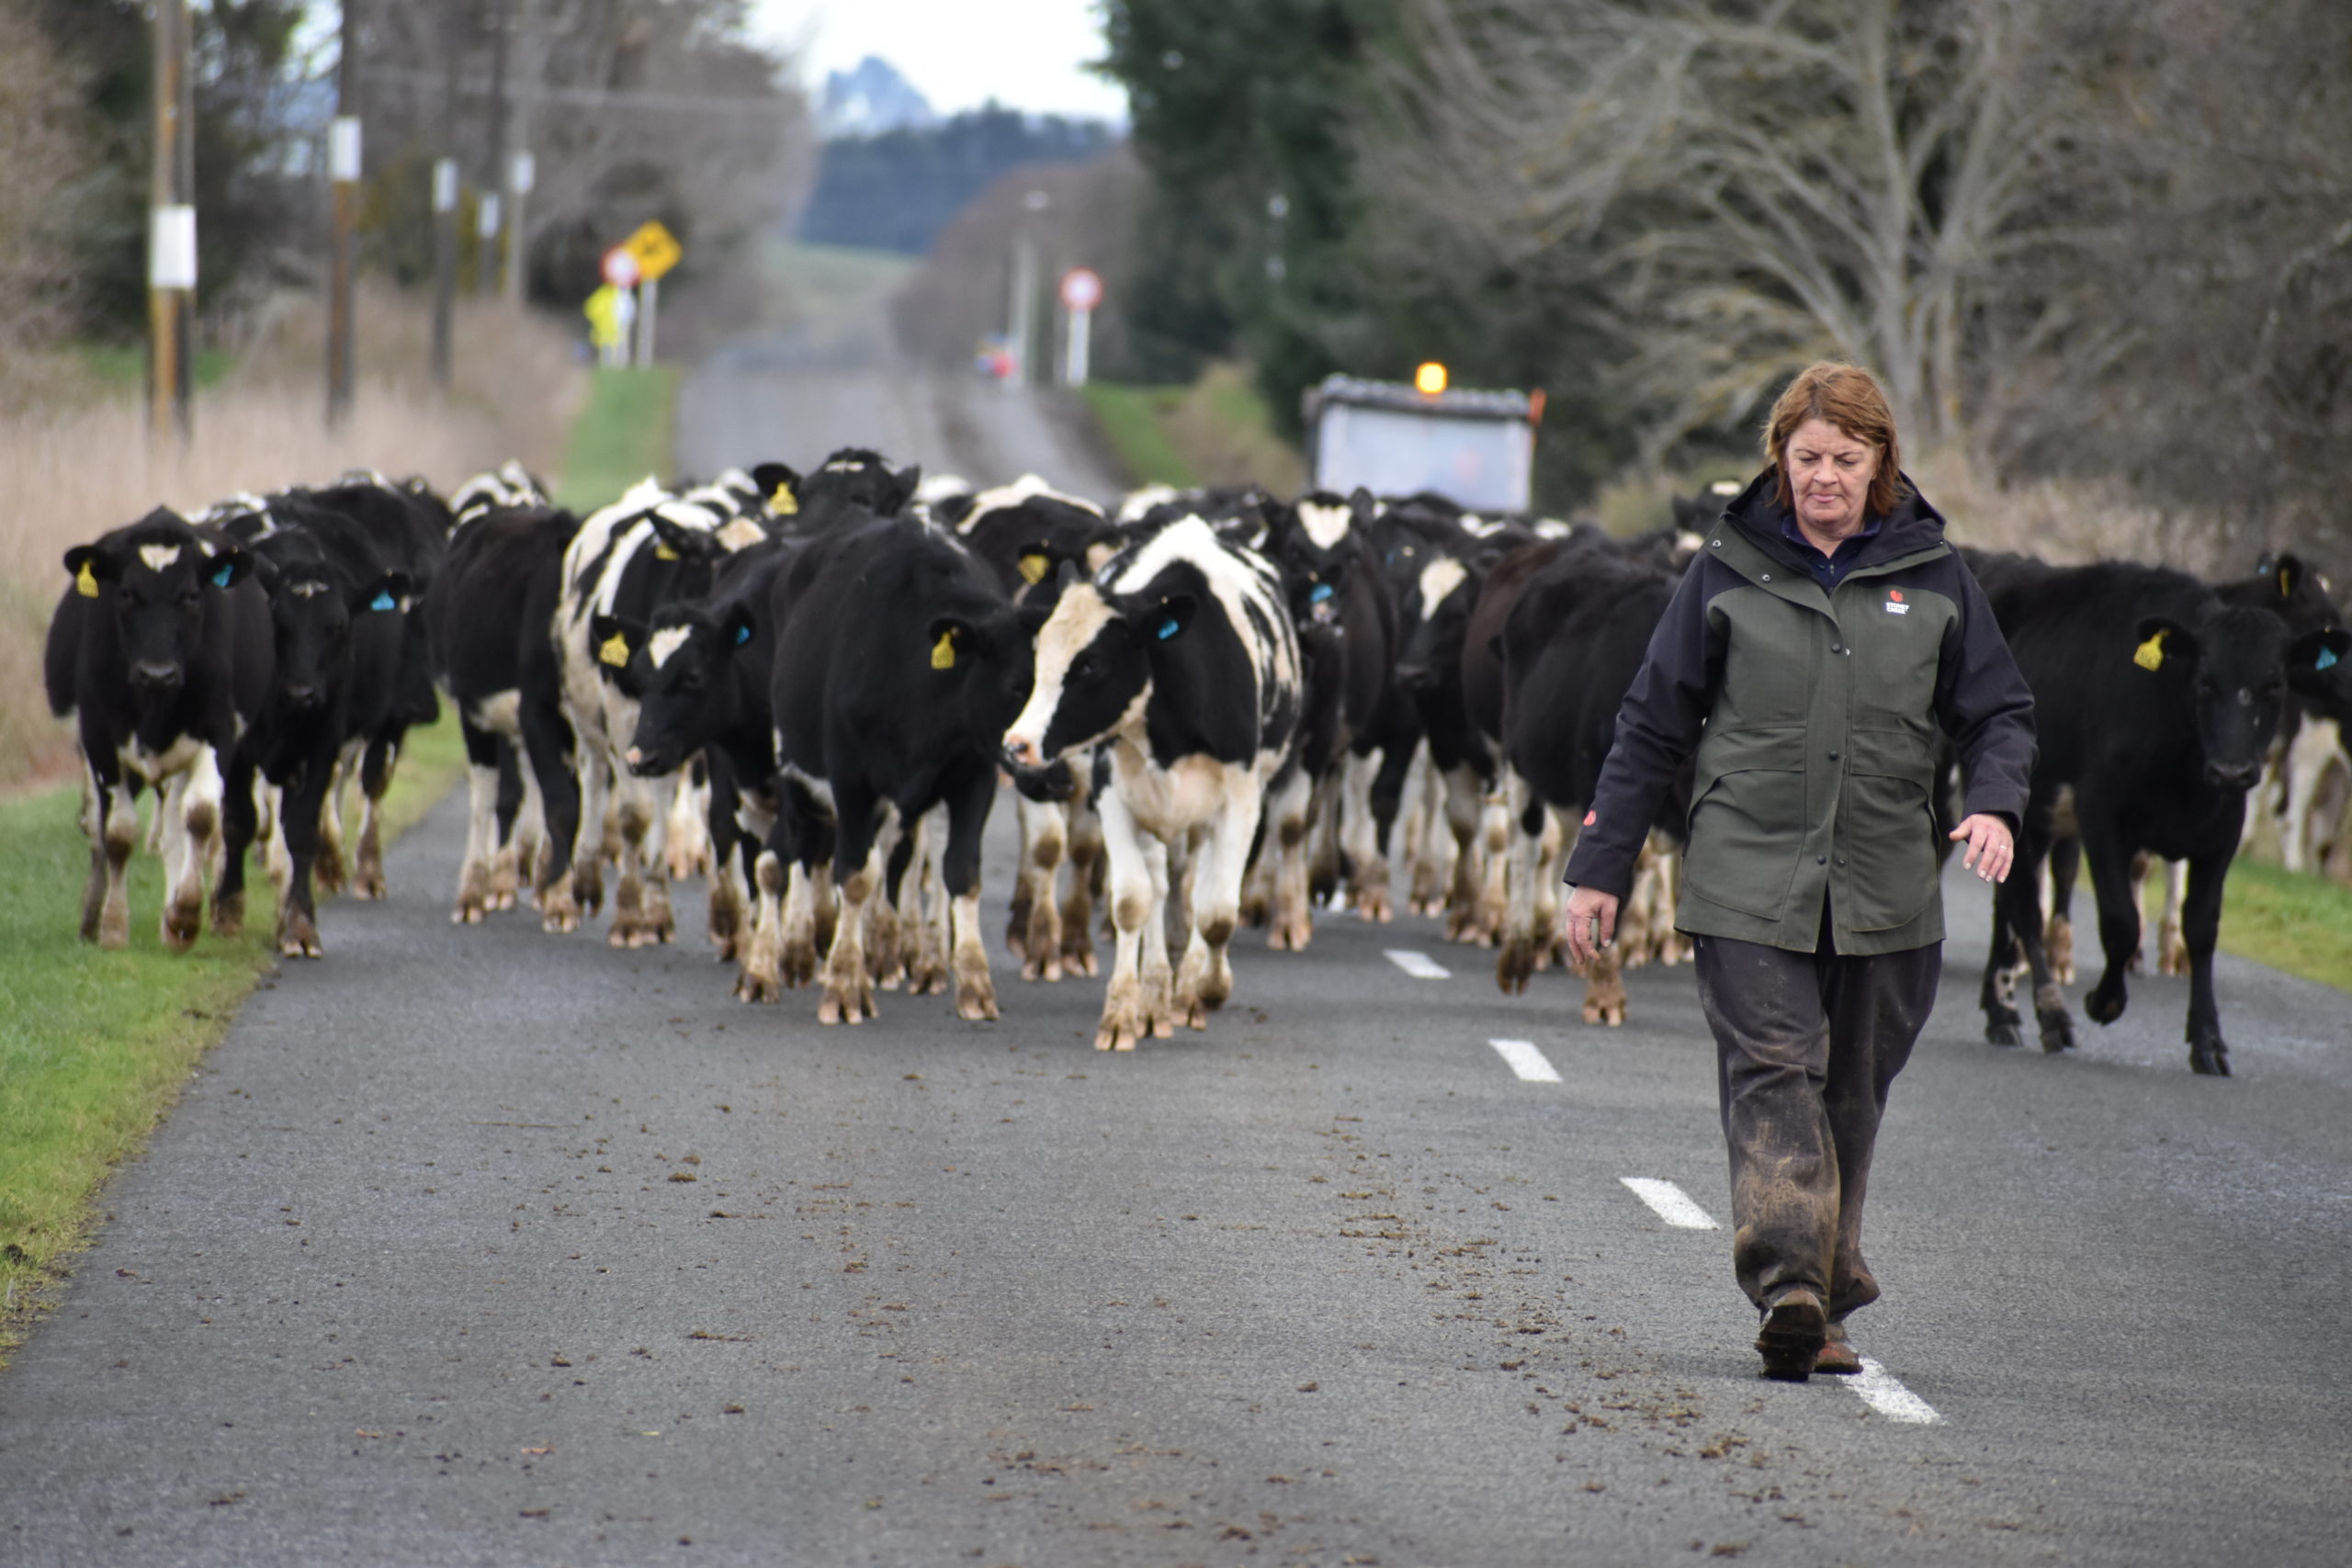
x=2289 y=920
x=94 y=1046
x=621 y=436
x=1130 y=418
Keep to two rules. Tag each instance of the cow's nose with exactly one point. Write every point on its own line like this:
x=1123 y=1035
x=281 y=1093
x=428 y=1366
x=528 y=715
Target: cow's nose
x=1021 y=752
x=2234 y=775
x=302 y=694
x=154 y=672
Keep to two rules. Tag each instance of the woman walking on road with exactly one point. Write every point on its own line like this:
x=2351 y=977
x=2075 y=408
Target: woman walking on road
x=1813 y=649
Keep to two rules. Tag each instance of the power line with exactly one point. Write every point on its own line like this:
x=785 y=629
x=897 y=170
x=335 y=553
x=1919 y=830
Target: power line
x=598 y=97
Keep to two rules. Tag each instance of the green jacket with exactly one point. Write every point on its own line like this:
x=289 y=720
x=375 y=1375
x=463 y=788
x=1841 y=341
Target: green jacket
x=1817 y=716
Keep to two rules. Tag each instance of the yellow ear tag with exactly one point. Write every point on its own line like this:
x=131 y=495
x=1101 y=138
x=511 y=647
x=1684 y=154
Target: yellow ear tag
x=942 y=652
x=1033 y=567
x=782 y=503
x=2151 y=655
x=663 y=552
x=2285 y=590
x=615 y=651
x=85 y=583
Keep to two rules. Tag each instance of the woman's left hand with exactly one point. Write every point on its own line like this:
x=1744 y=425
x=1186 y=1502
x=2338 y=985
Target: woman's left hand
x=1990 y=848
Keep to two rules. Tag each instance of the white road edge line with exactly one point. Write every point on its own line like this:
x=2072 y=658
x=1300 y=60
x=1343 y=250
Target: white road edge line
x=1881 y=1391
x=1526 y=1060
x=1419 y=965
x=1672 y=1204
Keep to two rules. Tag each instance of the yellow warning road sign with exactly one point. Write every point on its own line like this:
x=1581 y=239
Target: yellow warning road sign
x=656 y=250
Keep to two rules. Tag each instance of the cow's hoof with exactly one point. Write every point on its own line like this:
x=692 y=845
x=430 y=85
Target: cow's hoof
x=2105 y=1004
x=1610 y=1013
x=1374 y=903
x=181 y=923
x=758 y=988
x=298 y=937
x=2057 y=1034
x=2208 y=1059
x=468 y=914
x=2003 y=1032
x=229 y=915
x=976 y=1003
x=1513 y=964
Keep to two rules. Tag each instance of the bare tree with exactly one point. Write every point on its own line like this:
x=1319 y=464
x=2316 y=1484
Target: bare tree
x=1741 y=188
x=47 y=155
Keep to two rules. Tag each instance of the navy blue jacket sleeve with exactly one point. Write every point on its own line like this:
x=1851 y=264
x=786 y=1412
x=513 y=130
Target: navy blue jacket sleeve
x=1657 y=727
x=1983 y=703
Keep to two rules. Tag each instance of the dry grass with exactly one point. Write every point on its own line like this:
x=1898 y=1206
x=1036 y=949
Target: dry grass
x=78 y=467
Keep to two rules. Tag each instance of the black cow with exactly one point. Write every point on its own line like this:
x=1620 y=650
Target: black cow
x=490 y=615
x=898 y=663
x=1570 y=648
x=2155 y=703
x=1178 y=661
x=336 y=616
x=159 y=652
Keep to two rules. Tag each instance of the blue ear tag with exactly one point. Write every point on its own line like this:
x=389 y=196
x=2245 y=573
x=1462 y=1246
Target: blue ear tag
x=1168 y=628
x=1322 y=592
x=383 y=600
x=2327 y=659
x=742 y=635
x=221 y=579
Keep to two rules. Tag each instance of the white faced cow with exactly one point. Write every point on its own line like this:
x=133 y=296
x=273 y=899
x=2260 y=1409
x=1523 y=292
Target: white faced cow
x=1178 y=659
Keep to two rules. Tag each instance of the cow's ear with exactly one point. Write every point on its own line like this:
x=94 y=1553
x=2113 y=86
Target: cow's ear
x=1364 y=501
x=2163 y=642
x=1170 y=616
x=673 y=541
x=2312 y=659
x=907 y=480
x=954 y=641
x=953 y=508
x=228 y=567
x=739 y=627
x=779 y=487
x=610 y=639
x=2287 y=571
x=90 y=566
x=389 y=591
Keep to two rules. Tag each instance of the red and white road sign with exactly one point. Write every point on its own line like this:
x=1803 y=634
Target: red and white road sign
x=1081 y=288
x=621 y=267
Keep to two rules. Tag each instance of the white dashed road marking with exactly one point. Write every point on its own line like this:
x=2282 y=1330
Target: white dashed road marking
x=1882 y=1393
x=1526 y=1060
x=1419 y=965
x=1672 y=1204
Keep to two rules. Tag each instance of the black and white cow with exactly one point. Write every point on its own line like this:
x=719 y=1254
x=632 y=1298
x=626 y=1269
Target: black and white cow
x=2155 y=703
x=159 y=652
x=647 y=549
x=1024 y=531
x=897 y=662
x=1179 y=661
x=1324 y=546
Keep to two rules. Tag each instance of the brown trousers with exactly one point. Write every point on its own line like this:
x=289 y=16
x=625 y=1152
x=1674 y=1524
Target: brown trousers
x=1806 y=1047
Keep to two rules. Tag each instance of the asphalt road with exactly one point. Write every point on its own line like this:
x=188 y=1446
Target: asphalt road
x=475 y=1245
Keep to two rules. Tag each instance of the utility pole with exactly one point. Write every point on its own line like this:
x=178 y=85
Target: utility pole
x=494 y=185
x=520 y=169
x=343 y=168
x=1021 y=308
x=170 y=235
x=445 y=201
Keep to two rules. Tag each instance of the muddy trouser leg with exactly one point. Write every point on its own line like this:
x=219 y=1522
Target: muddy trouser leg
x=1806 y=1047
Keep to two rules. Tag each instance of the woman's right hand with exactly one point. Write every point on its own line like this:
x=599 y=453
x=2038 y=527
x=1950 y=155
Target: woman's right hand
x=1590 y=923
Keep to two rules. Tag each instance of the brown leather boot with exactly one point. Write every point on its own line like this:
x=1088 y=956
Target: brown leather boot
x=1837 y=1358
x=1795 y=1329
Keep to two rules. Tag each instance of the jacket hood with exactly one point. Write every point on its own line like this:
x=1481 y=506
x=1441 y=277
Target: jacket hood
x=1913 y=526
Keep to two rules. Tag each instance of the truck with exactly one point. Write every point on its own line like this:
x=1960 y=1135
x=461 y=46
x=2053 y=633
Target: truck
x=1475 y=447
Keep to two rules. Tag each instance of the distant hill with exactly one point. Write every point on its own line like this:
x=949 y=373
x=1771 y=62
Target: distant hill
x=896 y=189
x=871 y=99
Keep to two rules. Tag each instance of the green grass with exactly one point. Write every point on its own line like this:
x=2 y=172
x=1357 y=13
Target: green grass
x=1133 y=419
x=621 y=436
x=94 y=1046
x=123 y=366
x=2290 y=920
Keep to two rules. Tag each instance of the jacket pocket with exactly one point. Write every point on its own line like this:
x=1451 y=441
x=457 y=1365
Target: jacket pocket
x=1887 y=830
x=1747 y=819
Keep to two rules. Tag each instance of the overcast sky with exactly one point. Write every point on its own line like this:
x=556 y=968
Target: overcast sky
x=1026 y=54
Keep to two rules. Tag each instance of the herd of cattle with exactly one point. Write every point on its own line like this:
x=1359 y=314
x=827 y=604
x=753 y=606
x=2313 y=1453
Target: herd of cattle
x=1212 y=707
